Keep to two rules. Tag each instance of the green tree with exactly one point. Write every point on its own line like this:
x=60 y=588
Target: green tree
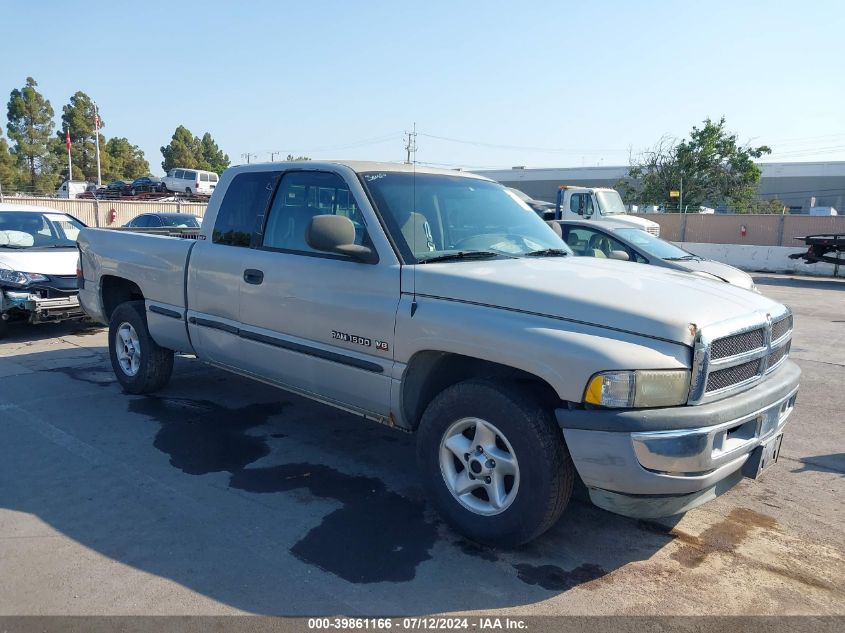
x=9 y=173
x=710 y=168
x=78 y=117
x=184 y=150
x=763 y=206
x=213 y=158
x=292 y=157
x=125 y=161
x=30 y=127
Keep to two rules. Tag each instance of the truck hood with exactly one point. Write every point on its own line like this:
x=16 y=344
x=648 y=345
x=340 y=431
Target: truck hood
x=723 y=271
x=649 y=301
x=640 y=223
x=53 y=261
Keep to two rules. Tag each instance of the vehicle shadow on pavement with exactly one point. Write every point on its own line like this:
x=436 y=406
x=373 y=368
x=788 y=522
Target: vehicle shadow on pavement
x=266 y=502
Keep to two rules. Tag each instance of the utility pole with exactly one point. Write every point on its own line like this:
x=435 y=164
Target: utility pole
x=411 y=145
x=681 y=198
x=273 y=156
x=97 y=144
x=248 y=155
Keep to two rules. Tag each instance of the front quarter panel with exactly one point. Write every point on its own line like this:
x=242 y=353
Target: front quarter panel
x=563 y=353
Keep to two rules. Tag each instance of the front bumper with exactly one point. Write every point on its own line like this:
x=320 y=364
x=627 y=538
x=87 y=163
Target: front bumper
x=35 y=309
x=659 y=462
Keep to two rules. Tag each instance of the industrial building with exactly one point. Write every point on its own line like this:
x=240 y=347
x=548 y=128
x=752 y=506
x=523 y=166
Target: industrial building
x=798 y=185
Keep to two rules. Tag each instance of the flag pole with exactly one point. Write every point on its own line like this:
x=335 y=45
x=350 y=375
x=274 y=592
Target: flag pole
x=97 y=142
x=69 y=162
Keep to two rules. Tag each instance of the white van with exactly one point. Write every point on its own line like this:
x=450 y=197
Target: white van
x=190 y=181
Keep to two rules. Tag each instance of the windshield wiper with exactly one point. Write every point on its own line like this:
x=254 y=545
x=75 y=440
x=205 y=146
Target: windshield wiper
x=463 y=255
x=548 y=252
x=685 y=258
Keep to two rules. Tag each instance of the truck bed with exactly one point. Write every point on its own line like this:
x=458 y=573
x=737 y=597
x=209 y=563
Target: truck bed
x=156 y=263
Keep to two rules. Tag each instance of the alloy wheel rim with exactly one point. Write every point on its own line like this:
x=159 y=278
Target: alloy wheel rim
x=127 y=349
x=479 y=466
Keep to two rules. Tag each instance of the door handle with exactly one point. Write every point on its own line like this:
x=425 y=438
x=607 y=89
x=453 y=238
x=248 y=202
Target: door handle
x=253 y=276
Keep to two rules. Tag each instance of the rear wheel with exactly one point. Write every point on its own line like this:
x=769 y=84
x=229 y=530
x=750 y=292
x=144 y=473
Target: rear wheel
x=4 y=326
x=139 y=363
x=494 y=462
x=188 y=191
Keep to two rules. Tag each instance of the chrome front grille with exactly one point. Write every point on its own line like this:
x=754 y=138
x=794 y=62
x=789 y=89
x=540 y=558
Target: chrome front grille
x=737 y=354
x=781 y=327
x=738 y=343
x=723 y=378
x=778 y=355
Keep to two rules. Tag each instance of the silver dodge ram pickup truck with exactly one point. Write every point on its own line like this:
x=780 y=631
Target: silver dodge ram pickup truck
x=438 y=303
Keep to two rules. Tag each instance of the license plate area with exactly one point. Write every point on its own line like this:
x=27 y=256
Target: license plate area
x=763 y=456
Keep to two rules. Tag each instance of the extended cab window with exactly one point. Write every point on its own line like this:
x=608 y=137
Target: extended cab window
x=301 y=196
x=246 y=199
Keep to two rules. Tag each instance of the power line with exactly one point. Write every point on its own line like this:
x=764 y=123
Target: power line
x=520 y=147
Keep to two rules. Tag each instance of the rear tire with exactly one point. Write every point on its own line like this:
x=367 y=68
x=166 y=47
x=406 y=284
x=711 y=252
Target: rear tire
x=4 y=327
x=188 y=191
x=538 y=473
x=139 y=363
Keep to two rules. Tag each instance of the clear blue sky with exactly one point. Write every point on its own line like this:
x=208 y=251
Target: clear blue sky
x=345 y=79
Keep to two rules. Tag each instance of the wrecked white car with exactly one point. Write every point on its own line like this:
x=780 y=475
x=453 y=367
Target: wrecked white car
x=38 y=258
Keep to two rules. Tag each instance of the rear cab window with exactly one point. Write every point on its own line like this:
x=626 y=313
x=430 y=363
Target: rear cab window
x=242 y=208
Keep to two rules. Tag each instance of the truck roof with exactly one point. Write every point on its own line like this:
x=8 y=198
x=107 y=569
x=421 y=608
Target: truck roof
x=587 y=188
x=361 y=166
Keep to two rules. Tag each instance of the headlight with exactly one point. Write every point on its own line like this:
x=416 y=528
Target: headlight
x=19 y=278
x=637 y=389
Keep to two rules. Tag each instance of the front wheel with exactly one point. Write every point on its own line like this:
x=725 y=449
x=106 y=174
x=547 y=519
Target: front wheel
x=139 y=363
x=494 y=462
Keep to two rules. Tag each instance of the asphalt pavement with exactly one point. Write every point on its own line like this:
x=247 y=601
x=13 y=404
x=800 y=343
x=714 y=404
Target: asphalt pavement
x=220 y=495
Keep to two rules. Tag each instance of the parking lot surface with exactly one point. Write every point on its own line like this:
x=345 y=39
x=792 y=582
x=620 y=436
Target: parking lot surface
x=220 y=495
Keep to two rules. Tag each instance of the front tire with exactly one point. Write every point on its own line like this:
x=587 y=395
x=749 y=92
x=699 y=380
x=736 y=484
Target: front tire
x=494 y=462
x=139 y=363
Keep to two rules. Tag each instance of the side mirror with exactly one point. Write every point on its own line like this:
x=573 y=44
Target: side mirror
x=622 y=256
x=336 y=234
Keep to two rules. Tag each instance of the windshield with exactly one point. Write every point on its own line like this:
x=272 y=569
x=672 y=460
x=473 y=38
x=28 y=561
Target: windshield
x=181 y=221
x=433 y=215
x=27 y=229
x=652 y=245
x=610 y=202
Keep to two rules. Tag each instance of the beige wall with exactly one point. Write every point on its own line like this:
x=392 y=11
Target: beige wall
x=96 y=212
x=761 y=230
